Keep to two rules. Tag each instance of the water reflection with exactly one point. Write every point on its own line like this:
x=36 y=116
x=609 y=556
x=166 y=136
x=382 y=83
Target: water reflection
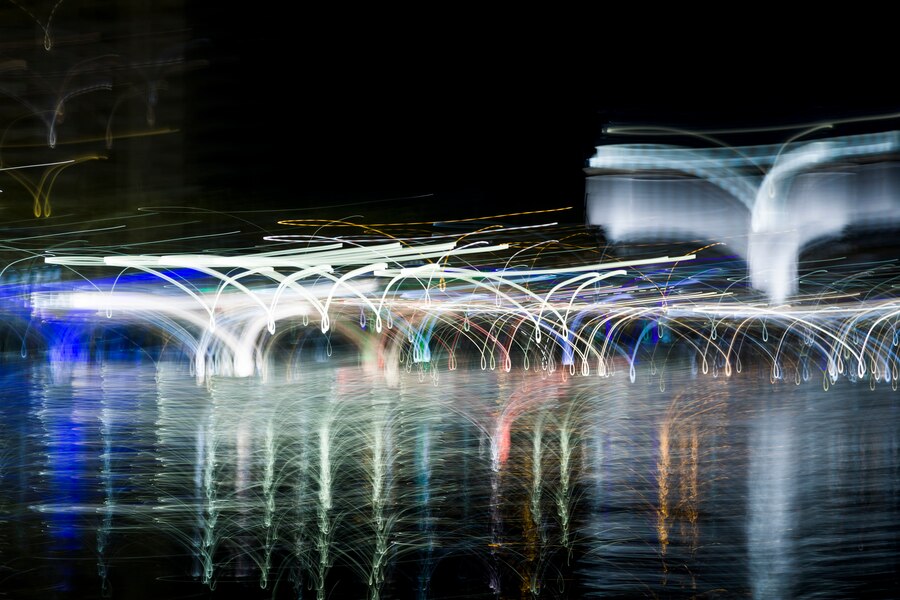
x=771 y=519
x=128 y=480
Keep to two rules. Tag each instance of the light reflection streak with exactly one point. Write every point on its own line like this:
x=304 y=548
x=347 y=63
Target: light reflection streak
x=344 y=479
x=558 y=473
x=771 y=519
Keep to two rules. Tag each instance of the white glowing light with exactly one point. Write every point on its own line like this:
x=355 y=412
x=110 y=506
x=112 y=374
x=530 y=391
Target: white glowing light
x=766 y=203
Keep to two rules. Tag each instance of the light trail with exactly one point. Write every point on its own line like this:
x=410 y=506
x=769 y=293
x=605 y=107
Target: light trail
x=571 y=317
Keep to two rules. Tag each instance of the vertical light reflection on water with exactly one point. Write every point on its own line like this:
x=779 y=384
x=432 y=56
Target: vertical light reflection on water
x=67 y=416
x=323 y=541
x=380 y=446
x=108 y=422
x=499 y=450
x=209 y=497
x=564 y=491
x=534 y=530
x=423 y=462
x=124 y=425
x=660 y=506
x=334 y=485
x=771 y=487
x=182 y=478
x=297 y=475
x=270 y=524
x=243 y=439
x=663 y=468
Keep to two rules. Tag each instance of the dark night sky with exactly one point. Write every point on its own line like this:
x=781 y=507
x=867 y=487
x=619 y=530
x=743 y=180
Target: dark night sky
x=397 y=119
x=293 y=117
x=479 y=113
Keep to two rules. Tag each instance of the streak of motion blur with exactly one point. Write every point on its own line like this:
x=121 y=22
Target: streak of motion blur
x=684 y=386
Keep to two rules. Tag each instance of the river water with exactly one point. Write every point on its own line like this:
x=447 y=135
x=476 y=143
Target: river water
x=130 y=480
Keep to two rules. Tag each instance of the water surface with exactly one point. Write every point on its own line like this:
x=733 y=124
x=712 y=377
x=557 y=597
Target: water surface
x=129 y=480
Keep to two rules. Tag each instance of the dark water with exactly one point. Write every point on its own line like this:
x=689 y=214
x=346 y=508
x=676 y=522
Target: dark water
x=128 y=480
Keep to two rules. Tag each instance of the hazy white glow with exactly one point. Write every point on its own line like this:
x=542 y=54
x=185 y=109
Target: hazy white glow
x=766 y=203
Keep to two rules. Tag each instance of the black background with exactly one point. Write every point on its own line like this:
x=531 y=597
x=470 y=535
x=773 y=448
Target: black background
x=449 y=116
